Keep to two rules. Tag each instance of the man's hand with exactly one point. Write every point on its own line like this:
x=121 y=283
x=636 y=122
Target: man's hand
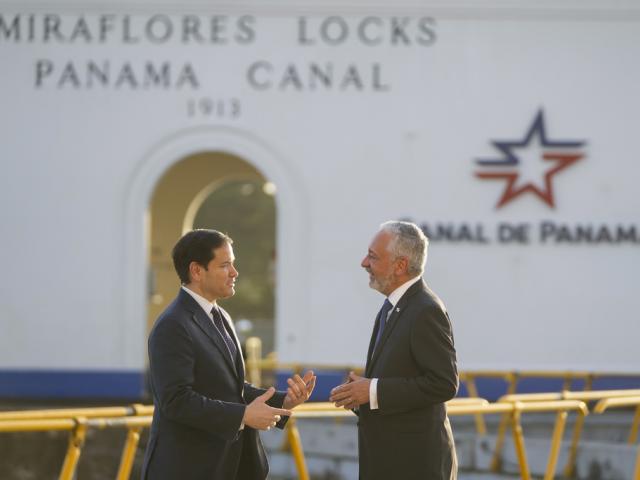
x=299 y=389
x=261 y=416
x=353 y=393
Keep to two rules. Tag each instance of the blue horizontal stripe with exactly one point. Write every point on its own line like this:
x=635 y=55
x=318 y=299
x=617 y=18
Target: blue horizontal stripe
x=325 y=381
x=494 y=388
x=488 y=388
x=82 y=384
x=98 y=384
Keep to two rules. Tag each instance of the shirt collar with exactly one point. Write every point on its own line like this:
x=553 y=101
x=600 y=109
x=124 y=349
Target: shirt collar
x=397 y=294
x=206 y=305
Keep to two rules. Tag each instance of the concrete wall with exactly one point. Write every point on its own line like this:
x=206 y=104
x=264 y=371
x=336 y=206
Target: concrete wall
x=358 y=113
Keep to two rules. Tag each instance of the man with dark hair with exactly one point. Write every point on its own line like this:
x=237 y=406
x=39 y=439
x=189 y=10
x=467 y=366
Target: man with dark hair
x=403 y=429
x=206 y=415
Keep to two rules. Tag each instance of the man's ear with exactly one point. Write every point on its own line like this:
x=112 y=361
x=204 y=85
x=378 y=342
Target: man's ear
x=195 y=270
x=402 y=265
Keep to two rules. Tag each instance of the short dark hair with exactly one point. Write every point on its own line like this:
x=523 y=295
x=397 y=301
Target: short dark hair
x=196 y=246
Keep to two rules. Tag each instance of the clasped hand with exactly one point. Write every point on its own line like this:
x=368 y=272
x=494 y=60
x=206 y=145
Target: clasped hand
x=299 y=389
x=261 y=416
x=351 y=394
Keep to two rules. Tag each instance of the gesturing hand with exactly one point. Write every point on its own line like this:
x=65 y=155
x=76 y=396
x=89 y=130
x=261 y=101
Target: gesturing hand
x=261 y=416
x=299 y=389
x=351 y=394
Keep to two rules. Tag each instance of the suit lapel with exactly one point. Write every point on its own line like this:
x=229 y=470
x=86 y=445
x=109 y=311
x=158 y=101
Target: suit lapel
x=372 y=343
x=203 y=321
x=391 y=322
x=394 y=318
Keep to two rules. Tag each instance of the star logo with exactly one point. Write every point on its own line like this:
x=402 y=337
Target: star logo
x=530 y=164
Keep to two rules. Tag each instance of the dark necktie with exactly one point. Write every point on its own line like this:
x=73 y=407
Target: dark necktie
x=219 y=323
x=384 y=311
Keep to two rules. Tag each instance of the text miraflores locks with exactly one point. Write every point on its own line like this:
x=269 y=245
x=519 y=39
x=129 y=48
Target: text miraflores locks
x=161 y=29
x=313 y=33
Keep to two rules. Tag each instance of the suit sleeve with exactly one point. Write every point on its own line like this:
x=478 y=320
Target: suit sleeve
x=432 y=348
x=171 y=362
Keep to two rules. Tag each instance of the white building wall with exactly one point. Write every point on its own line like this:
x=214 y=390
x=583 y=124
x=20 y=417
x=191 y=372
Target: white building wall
x=80 y=163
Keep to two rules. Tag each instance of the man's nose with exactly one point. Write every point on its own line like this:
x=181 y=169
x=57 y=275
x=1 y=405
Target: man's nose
x=364 y=263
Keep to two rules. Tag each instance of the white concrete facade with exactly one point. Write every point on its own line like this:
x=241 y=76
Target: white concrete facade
x=359 y=112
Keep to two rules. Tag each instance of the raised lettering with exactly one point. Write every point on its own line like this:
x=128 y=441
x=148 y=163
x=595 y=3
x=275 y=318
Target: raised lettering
x=246 y=34
x=252 y=75
x=187 y=76
x=44 y=68
x=291 y=77
x=352 y=77
x=362 y=31
x=69 y=75
x=165 y=29
x=6 y=31
x=191 y=28
x=341 y=30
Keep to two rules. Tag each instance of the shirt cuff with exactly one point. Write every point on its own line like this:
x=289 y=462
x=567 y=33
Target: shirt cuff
x=373 y=394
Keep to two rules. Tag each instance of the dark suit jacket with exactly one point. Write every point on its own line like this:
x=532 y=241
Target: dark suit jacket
x=199 y=397
x=409 y=436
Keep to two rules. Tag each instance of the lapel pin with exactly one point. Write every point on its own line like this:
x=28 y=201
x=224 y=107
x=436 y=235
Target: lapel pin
x=397 y=310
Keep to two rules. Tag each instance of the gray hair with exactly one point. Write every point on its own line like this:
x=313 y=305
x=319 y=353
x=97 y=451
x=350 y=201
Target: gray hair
x=408 y=241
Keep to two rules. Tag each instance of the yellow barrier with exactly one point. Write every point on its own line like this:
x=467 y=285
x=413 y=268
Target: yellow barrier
x=622 y=402
x=78 y=430
x=255 y=365
x=577 y=431
x=134 y=426
x=511 y=406
x=454 y=408
x=102 y=412
x=136 y=409
x=512 y=378
x=43 y=421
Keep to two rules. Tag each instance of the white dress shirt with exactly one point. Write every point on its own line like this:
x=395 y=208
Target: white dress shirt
x=206 y=305
x=394 y=298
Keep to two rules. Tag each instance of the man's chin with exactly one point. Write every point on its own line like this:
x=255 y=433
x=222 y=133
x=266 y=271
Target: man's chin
x=375 y=285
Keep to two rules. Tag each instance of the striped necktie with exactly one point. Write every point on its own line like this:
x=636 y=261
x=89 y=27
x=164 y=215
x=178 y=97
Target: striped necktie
x=382 y=320
x=219 y=323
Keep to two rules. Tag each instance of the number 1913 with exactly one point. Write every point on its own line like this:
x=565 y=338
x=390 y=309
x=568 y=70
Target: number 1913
x=212 y=107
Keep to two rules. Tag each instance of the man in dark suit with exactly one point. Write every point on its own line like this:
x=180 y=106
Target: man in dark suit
x=206 y=416
x=403 y=429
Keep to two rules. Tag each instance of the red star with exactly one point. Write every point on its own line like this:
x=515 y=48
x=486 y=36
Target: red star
x=562 y=160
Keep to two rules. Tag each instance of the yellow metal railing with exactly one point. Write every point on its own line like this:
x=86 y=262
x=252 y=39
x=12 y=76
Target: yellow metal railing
x=511 y=379
x=78 y=425
x=255 y=365
x=589 y=396
x=44 y=420
x=102 y=412
x=625 y=402
x=511 y=406
x=455 y=408
x=76 y=421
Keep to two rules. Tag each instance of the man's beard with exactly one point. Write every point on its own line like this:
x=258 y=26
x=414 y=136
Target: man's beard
x=381 y=284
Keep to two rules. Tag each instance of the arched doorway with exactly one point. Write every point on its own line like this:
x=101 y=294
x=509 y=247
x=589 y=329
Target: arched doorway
x=221 y=191
x=292 y=232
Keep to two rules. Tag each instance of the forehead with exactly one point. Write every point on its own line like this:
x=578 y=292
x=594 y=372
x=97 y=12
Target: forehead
x=223 y=253
x=380 y=242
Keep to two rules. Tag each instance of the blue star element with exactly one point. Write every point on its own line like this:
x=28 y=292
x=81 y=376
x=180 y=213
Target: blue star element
x=536 y=127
